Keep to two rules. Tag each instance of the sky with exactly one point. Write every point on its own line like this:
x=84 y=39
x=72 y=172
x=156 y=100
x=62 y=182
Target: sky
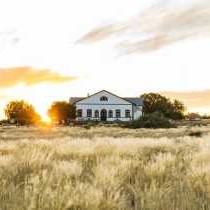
x=55 y=49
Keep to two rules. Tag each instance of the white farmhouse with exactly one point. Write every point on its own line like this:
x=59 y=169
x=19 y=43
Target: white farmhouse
x=106 y=106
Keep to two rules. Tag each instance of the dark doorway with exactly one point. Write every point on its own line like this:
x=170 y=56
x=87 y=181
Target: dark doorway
x=103 y=115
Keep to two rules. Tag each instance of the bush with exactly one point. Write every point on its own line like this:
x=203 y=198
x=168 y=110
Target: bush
x=154 y=120
x=196 y=133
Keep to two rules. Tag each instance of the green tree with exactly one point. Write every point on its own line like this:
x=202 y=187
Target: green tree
x=154 y=102
x=61 y=111
x=178 y=110
x=22 y=113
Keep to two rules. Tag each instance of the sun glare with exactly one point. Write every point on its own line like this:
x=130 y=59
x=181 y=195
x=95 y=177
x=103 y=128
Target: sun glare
x=46 y=119
x=41 y=109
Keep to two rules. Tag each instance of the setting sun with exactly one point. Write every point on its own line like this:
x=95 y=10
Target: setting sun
x=46 y=119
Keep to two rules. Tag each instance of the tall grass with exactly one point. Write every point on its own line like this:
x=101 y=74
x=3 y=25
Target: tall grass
x=104 y=168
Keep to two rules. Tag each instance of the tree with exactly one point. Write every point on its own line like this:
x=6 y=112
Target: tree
x=193 y=116
x=178 y=110
x=21 y=112
x=154 y=102
x=61 y=111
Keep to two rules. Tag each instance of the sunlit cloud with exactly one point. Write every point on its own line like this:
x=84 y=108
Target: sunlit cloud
x=195 y=100
x=10 y=77
x=155 y=27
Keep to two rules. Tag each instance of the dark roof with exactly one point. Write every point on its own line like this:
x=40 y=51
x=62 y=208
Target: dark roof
x=73 y=100
x=137 y=101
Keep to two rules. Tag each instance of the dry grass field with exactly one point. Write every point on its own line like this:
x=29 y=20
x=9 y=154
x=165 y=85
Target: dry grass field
x=106 y=168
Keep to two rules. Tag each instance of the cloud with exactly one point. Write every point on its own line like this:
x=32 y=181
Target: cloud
x=8 y=38
x=101 y=33
x=155 y=27
x=194 y=99
x=12 y=76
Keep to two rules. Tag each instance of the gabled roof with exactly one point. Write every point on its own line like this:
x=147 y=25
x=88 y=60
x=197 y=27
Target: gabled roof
x=134 y=100
x=137 y=101
x=74 y=100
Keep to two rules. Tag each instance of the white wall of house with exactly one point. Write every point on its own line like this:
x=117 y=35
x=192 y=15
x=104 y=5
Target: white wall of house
x=107 y=107
x=114 y=103
x=137 y=112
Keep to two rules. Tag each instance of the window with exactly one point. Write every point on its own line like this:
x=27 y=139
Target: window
x=127 y=113
x=96 y=114
x=103 y=98
x=89 y=112
x=110 y=114
x=79 y=113
x=118 y=113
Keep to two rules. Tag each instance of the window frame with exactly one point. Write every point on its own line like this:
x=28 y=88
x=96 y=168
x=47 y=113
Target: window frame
x=118 y=113
x=79 y=112
x=96 y=115
x=128 y=113
x=89 y=113
x=103 y=98
x=110 y=114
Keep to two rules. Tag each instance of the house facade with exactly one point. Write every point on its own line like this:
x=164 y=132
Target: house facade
x=106 y=106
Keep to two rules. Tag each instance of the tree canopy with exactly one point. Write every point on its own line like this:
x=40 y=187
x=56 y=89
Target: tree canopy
x=61 y=111
x=154 y=102
x=21 y=112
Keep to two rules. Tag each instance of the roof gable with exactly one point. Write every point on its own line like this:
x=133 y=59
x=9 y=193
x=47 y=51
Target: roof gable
x=95 y=98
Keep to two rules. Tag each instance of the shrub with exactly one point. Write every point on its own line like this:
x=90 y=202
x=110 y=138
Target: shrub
x=154 y=120
x=196 y=133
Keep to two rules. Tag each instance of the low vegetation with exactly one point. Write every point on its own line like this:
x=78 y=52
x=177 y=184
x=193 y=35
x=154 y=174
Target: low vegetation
x=153 y=120
x=104 y=168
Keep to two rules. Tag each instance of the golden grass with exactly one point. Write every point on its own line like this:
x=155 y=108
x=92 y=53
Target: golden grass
x=104 y=168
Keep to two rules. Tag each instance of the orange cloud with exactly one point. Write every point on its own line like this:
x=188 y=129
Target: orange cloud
x=12 y=76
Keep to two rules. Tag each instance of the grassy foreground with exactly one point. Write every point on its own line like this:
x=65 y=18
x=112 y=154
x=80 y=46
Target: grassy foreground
x=104 y=168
